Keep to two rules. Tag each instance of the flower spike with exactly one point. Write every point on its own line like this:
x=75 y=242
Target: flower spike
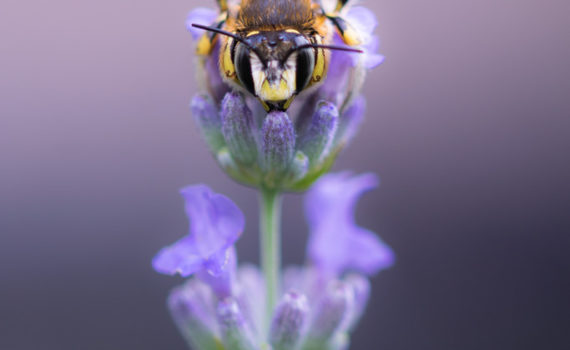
x=280 y=149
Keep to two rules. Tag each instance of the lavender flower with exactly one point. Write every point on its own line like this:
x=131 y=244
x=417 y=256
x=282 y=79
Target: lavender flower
x=304 y=319
x=215 y=225
x=336 y=243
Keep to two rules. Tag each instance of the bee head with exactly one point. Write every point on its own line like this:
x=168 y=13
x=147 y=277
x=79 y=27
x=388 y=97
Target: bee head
x=274 y=65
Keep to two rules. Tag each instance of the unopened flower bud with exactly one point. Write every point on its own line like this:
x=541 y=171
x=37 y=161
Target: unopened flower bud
x=288 y=321
x=206 y=115
x=278 y=144
x=192 y=308
x=236 y=332
x=317 y=139
x=361 y=289
x=238 y=128
x=330 y=315
x=349 y=122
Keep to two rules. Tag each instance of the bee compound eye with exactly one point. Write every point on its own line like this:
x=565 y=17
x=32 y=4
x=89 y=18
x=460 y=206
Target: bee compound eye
x=305 y=66
x=243 y=67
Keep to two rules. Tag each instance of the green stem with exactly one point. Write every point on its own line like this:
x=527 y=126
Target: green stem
x=270 y=246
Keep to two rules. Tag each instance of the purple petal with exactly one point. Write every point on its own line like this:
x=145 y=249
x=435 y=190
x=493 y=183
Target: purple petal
x=336 y=243
x=219 y=272
x=215 y=224
x=333 y=197
x=371 y=58
x=373 y=254
x=350 y=122
x=215 y=221
x=200 y=15
x=363 y=20
x=179 y=257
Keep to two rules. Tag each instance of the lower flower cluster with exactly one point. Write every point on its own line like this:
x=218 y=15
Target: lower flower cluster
x=224 y=307
x=313 y=313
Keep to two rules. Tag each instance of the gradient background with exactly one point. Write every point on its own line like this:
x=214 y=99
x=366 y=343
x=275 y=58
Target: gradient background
x=468 y=127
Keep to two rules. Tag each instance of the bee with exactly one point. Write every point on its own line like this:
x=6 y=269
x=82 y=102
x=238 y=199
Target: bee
x=276 y=49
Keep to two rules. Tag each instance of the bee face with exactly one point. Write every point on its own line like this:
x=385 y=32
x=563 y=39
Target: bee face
x=270 y=66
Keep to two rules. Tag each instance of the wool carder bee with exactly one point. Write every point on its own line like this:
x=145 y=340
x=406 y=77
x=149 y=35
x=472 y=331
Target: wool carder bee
x=276 y=49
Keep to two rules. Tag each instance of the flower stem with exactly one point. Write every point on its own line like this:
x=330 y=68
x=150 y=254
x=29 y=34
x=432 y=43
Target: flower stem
x=270 y=246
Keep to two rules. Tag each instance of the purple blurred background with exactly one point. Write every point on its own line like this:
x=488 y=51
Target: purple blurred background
x=468 y=127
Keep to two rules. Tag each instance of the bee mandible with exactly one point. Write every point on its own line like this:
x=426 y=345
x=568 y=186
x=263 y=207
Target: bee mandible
x=276 y=49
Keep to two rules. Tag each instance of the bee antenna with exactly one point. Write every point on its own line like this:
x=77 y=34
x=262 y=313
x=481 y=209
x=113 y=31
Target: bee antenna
x=231 y=35
x=329 y=47
x=321 y=46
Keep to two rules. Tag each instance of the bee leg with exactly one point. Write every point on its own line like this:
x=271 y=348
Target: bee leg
x=348 y=34
x=340 y=4
x=223 y=4
x=205 y=45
